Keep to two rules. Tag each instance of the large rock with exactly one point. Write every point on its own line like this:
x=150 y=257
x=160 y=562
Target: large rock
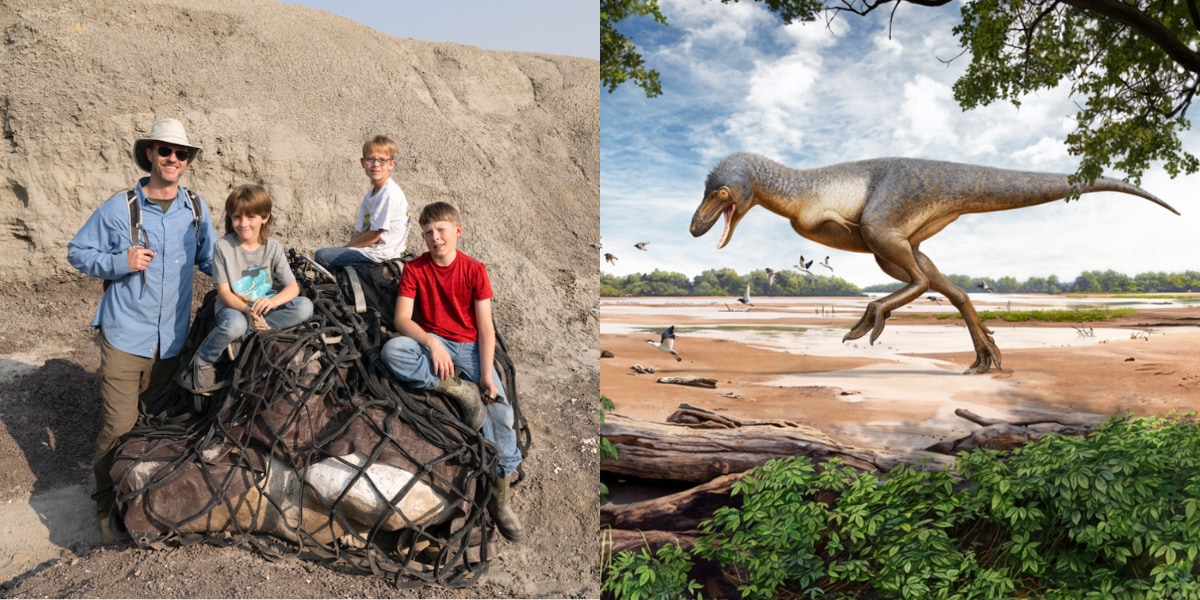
x=285 y=96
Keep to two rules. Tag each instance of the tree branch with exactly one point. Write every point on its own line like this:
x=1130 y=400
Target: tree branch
x=1149 y=28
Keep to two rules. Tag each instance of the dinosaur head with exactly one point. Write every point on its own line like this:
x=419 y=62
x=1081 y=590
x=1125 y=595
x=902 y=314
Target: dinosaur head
x=726 y=194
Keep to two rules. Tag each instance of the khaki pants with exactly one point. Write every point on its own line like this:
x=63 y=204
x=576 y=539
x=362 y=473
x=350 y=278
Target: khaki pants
x=124 y=378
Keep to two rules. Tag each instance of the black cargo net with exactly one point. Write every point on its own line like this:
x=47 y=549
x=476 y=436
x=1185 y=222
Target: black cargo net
x=313 y=449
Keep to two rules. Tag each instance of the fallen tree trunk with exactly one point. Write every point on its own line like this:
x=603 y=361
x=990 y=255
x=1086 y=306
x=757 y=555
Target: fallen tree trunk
x=681 y=453
x=678 y=512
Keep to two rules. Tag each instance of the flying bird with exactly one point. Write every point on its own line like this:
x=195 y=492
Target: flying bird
x=934 y=299
x=612 y=260
x=826 y=264
x=805 y=265
x=641 y=245
x=745 y=299
x=983 y=285
x=770 y=276
x=667 y=344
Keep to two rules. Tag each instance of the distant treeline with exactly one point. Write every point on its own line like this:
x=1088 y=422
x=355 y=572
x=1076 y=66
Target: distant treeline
x=727 y=282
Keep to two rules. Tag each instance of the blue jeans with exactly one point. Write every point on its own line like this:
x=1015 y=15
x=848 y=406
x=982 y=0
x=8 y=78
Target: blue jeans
x=232 y=324
x=409 y=361
x=336 y=258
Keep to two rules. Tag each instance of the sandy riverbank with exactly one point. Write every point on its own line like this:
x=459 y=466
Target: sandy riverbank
x=784 y=359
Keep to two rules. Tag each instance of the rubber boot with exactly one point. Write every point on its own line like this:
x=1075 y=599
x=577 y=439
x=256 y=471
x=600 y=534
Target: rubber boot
x=466 y=396
x=506 y=520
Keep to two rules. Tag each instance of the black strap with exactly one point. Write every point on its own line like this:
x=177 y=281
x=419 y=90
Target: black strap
x=135 y=215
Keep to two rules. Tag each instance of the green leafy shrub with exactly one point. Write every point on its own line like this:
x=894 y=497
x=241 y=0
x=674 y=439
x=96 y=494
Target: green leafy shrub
x=1115 y=514
x=645 y=576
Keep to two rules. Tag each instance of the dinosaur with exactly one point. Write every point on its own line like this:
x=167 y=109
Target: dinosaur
x=886 y=207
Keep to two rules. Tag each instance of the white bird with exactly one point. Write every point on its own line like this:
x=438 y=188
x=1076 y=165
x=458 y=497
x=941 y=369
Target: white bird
x=826 y=264
x=641 y=245
x=745 y=299
x=612 y=260
x=983 y=285
x=803 y=266
x=667 y=344
x=934 y=299
x=770 y=276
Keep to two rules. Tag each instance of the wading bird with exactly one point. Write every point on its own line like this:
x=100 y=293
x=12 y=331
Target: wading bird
x=667 y=343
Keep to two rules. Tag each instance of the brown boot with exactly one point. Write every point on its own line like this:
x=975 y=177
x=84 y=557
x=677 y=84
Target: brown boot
x=506 y=520
x=466 y=396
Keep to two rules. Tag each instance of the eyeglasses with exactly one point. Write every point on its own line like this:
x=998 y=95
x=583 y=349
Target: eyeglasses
x=181 y=154
x=367 y=162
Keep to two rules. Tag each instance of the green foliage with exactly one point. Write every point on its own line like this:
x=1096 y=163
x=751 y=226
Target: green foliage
x=791 y=11
x=1114 y=514
x=620 y=60
x=662 y=575
x=1134 y=93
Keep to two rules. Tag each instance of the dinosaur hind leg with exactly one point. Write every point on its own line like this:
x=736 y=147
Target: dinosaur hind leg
x=898 y=259
x=986 y=352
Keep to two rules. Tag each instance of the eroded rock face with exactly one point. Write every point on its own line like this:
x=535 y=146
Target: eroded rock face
x=285 y=96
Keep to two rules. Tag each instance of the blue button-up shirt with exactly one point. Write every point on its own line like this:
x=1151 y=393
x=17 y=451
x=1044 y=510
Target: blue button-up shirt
x=136 y=317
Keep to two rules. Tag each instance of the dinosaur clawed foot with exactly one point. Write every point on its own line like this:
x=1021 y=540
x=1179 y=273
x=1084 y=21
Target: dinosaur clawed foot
x=986 y=355
x=872 y=320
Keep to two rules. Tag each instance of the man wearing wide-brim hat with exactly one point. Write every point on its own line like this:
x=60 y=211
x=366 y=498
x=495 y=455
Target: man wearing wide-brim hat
x=144 y=312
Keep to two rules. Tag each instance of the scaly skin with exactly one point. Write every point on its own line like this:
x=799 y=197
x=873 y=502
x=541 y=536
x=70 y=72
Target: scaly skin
x=885 y=207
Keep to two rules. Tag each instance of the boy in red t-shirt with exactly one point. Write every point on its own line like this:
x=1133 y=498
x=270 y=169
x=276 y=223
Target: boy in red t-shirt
x=444 y=316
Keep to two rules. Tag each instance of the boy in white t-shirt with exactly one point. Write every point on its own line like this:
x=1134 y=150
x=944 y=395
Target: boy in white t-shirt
x=381 y=229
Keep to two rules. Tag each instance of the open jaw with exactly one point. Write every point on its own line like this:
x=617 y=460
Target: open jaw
x=727 y=226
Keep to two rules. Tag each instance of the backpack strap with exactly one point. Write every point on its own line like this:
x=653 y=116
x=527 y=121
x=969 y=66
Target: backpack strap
x=135 y=215
x=197 y=212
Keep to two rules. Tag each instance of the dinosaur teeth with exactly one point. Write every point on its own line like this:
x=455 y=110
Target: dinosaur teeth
x=726 y=215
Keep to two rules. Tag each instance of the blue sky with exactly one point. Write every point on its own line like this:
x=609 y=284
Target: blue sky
x=735 y=79
x=566 y=27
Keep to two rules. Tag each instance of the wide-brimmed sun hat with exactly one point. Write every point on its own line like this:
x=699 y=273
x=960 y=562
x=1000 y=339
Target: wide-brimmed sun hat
x=169 y=131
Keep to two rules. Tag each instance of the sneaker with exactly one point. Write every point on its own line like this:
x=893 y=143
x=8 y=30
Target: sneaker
x=204 y=378
x=466 y=397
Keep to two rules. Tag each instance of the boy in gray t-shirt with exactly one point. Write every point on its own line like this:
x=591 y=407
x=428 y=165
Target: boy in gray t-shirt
x=255 y=285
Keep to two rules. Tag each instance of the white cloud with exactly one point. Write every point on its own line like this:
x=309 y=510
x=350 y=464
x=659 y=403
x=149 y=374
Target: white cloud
x=926 y=112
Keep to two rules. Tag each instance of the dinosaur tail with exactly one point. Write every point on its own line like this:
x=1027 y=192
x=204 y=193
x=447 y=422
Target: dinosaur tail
x=983 y=189
x=1107 y=184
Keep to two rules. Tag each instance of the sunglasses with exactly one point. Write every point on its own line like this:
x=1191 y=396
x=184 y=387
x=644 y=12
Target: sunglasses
x=181 y=154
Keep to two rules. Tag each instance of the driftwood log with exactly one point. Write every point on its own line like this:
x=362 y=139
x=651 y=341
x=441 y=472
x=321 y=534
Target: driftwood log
x=699 y=454
x=700 y=382
x=1008 y=435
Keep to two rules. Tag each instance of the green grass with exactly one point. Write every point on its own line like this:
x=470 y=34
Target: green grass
x=1056 y=315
